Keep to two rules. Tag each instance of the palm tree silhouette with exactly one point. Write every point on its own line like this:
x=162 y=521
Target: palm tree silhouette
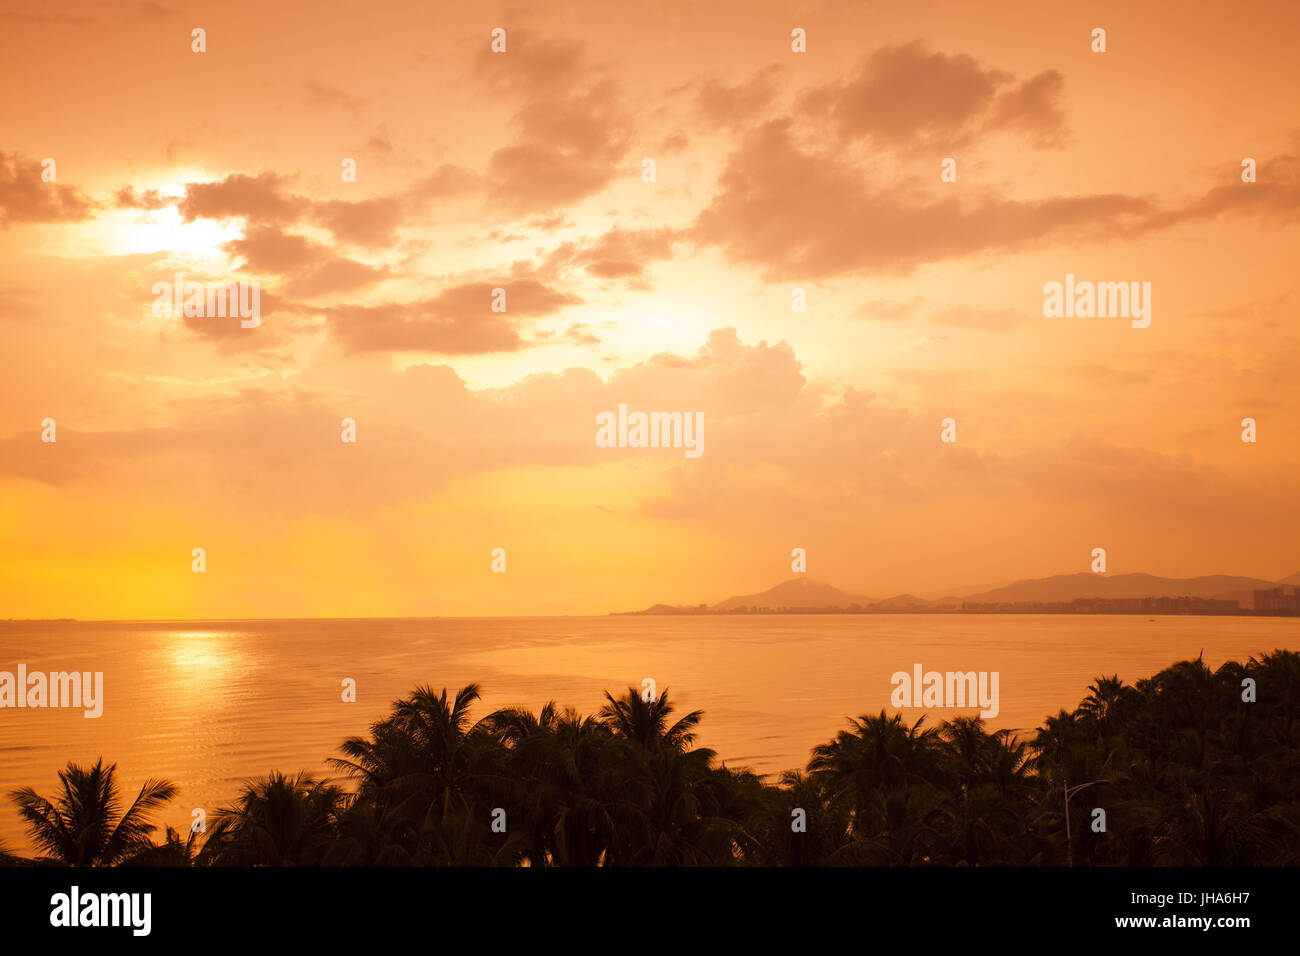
x=85 y=824
x=645 y=722
x=435 y=777
x=678 y=792
x=279 y=821
x=566 y=783
x=1198 y=772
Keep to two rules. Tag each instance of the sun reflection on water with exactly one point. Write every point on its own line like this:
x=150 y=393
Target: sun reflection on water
x=199 y=663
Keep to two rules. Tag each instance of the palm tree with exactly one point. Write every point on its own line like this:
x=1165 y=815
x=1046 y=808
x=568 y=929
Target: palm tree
x=984 y=805
x=645 y=722
x=680 y=795
x=435 y=776
x=85 y=825
x=424 y=746
x=367 y=837
x=879 y=751
x=1107 y=700
x=566 y=782
x=1194 y=775
x=825 y=822
x=279 y=821
x=173 y=851
x=965 y=743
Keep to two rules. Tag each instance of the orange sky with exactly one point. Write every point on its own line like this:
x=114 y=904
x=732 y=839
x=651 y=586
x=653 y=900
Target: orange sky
x=522 y=170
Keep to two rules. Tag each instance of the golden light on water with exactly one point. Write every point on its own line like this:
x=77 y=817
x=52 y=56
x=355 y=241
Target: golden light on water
x=198 y=661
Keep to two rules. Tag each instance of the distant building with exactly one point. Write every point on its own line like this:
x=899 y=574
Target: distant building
x=1277 y=600
x=1176 y=605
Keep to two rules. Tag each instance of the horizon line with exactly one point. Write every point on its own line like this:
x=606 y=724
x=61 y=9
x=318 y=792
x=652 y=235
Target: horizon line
x=688 y=609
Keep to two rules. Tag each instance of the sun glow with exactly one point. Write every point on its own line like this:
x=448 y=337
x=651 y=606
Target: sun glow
x=131 y=231
x=163 y=230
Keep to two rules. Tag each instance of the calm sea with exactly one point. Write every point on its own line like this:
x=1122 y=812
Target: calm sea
x=209 y=705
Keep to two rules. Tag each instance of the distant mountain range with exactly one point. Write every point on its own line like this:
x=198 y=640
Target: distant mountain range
x=807 y=594
x=1070 y=587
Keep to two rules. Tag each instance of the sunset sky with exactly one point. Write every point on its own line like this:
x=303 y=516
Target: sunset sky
x=522 y=170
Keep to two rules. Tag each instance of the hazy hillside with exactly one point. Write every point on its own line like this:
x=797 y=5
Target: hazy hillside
x=797 y=592
x=904 y=601
x=804 y=593
x=1067 y=587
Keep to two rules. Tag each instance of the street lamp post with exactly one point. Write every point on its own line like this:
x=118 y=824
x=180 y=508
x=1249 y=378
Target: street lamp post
x=1069 y=792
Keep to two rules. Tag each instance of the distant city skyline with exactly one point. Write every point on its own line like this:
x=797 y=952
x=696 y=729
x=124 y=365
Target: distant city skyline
x=1081 y=593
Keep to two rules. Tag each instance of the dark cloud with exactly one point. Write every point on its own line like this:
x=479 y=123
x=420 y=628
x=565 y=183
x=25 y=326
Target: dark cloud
x=1034 y=108
x=798 y=214
x=265 y=200
x=24 y=198
x=565 y=150
x=312 y=268
x=261 y=199
x=621 y=253
x=906 y=92
x=458 y=321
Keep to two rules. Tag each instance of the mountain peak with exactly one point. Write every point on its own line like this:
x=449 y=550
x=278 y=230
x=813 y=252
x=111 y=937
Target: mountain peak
x=800 y=592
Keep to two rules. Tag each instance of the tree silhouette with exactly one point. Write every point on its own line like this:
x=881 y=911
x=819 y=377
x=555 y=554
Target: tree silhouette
x=85 y=825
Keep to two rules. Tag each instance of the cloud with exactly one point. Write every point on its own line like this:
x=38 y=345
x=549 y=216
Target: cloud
x=266 y=249
x=571 y=128
x=419 y=427
x=534 y=65
x=264 y=200
x=1034 y=108
x=622 y=253
x=149 y=199
x=259 y=198
x=565 y=150
x=458 y=321
x=335 y=276
x=579 y=333
x=775 y=444
x=1275 y=196
x=313 y=268
x=277 y=320
x=798 y=214
x=905 y=93
x=365 y=222
x=24 y=198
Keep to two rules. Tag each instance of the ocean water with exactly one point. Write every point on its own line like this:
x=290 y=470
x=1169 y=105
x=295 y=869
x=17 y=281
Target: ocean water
x=210 y=705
